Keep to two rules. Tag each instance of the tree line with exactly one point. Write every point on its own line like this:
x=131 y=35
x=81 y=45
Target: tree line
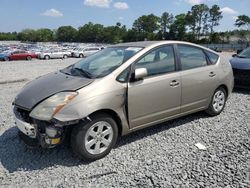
x=197 y=25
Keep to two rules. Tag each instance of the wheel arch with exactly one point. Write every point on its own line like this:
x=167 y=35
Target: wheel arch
x=224 y=87
x=113 y=114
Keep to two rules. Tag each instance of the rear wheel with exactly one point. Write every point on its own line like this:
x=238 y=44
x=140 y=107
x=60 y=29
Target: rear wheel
x=94 y=140
x=29 y=58
x=6 y=59
x=218 y=102
x=65 y=56
x=46 y=57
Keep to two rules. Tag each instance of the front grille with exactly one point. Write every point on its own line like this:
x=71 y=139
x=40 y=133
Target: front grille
x=242 y=77
x=22 y=114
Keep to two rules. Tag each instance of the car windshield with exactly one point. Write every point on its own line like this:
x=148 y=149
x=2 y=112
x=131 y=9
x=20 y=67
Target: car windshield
x=102 y=63
x=245 y=53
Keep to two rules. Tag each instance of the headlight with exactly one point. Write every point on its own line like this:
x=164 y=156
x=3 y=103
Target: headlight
x=51 y=106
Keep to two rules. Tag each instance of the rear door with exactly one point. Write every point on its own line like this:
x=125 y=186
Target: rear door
x=198 y=77
x=158 y=95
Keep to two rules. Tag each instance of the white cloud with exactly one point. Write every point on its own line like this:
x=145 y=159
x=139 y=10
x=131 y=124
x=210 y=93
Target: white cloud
x=121 y=5
x=227 y=10
x=52 y=13
x=98 y=3
x=120 y=18
x=194 y=2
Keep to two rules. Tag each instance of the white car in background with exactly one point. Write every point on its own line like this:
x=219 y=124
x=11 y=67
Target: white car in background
x=85 y=52
x=55 y=54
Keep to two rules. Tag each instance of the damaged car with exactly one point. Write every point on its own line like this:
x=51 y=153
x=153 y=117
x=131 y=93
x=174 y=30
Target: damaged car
x=118 y=90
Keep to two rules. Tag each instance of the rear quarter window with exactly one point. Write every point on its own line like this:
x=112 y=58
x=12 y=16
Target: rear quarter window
x=213 y=58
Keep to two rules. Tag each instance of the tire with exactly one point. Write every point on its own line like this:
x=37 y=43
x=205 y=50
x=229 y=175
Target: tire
x=6 y=59
x=65 y=56
x=29 y=58
x=47 y=57
x=86 y=138
x=218 y=102
x=81 y=56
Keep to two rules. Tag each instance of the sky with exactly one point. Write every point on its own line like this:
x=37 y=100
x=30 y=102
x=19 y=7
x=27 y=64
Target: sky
x=16 y=15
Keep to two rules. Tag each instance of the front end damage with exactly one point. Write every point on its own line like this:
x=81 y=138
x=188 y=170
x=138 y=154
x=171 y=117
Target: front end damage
x=40 y=133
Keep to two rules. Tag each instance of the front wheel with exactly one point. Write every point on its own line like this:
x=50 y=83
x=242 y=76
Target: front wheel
x=218 y=102
x=65 y=56
x=28 y=58
x=94 y=140
x=81 y=56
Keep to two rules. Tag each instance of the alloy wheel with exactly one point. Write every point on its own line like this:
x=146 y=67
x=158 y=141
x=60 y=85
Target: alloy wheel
x=99 y=137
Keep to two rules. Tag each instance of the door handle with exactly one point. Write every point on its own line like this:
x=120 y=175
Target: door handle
x=212 y=74
x=174 y=83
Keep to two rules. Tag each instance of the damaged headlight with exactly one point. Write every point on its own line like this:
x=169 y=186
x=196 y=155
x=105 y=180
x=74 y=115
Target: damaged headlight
x=51 y=106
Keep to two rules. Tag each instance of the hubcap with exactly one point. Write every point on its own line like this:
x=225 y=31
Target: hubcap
x=219 y=101
x=99 y=137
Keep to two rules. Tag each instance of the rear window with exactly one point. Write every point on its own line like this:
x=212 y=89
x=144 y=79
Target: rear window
x=213 y=58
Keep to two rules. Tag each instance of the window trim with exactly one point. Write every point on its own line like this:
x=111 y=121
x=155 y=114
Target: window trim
x=191 y=46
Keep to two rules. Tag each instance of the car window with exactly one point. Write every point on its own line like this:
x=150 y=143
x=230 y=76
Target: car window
x=191 y=57
x=106 y=61
x=213 y=58
x=245 y=53
x=123 y=77
x=158 y=61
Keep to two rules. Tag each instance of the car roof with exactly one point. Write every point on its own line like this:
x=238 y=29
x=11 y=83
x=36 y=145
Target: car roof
x=137 y=44
x=145 y=44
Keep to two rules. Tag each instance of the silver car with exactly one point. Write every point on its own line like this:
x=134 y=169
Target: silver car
x=85 y=52
x=54 y=54
x=121 y=89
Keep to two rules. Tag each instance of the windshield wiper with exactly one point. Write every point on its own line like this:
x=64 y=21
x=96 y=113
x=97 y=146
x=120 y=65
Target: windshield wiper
x=83 y=72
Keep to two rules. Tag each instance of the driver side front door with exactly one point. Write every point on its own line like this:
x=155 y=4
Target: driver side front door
x=158 y=96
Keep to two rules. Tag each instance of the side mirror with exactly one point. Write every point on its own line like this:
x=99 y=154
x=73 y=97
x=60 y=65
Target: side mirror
x=234 y=55
x=140 y=73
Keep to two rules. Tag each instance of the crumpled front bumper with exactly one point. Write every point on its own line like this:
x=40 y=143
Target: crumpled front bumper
x=33 y=131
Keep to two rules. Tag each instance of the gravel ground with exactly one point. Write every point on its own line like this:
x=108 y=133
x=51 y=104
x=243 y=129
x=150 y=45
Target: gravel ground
x=161 y=156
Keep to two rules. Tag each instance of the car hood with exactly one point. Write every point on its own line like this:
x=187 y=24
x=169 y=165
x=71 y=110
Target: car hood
x=46 y=86
x=240 y=63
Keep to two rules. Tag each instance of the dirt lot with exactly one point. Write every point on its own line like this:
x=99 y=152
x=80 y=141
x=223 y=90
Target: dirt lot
x=160 y=156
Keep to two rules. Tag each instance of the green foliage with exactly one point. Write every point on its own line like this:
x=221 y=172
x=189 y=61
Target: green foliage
x=8 y=36
x=197 y=25
x=66 y=34
x=243 y=20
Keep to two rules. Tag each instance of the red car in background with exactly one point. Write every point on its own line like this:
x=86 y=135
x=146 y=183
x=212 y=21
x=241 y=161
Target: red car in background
x=22 y=55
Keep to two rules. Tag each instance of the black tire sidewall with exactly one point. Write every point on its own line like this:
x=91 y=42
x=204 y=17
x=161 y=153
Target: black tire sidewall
x=79 y=133
x=211 y=109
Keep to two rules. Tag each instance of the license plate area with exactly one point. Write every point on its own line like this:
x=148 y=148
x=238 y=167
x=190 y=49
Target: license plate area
x=26 y=128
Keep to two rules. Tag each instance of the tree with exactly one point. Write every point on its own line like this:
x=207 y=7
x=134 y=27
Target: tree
x=147 y=23
x=91 y=33
x=44 y=35
x=27 y=35
x=178 y=28
x=215 y=15
x=66 y=34
x=166 y=21
x=197 y=19
x=243 y=20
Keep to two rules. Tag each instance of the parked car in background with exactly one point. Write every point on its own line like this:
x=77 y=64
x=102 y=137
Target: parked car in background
x=121 y=89
x=85 y=52
x=241 y=68
x=55 y=54
x=21 y=55
x=4 y=56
